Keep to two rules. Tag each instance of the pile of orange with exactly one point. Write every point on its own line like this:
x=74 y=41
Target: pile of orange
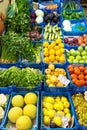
x=54 y=52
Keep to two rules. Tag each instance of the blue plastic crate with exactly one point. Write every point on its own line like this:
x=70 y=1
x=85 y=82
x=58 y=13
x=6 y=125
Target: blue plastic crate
x=22 y=93
x=66 y=94
x=80 y=127
x=56 y=89
x=8 y=92
x=72 y=20
x=74 y=33
x=74 y=87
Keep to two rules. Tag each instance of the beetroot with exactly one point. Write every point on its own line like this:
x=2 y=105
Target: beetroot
x=66 y=40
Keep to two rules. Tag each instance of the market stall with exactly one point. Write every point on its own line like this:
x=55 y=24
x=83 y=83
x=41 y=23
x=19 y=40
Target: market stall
x=43 y=66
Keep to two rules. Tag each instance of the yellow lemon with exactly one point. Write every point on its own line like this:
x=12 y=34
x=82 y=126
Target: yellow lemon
x=45 y=112
x=58 y=106
x=51 y=58
x=66 y=110
x=53 y=44
x=58 y=40
x=51 y=113
x=51 y=67
x=46 y=59
x=69 y=116
x=58 y=121
x=63 y=99
x=48 y=81
x=66 y=104
x=58 y=53
x=46 y=120
x=61 y=45
x=62 y=59
x=57 y=99
x=50 y=100
x=46 y=44
x=57 y=58
x=60 y=113
x=49 y=106
x=46 y=53
x=56 y=47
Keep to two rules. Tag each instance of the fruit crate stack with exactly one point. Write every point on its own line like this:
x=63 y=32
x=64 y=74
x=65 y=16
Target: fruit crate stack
x=43 y=66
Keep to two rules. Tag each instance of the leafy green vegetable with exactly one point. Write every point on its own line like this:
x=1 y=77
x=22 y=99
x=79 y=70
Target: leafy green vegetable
x=18 y=21
x=14 y=45
x=27 y=77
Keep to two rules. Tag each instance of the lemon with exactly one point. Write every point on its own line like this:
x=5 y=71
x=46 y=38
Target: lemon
x=51 y=67
x=58 y=121
x=52 y=51
x=49 y=106
x=58 y=106
x=14 y=113
x=45 y=112
x=68 y=115
x=44 y=104
x=46 y=59
x=46 y=44
x=30 y=110
x=50 y=100
x=44 y=98
x=62 y=59
x=66 y=104
x=60 y=113
x=61 y=45
x=63 y=99
x=51 y=58
x=46 y=120
x=66 y=110
x=58 y=40
x=30 y=98
x=51 y=113
x=57 y=99
x=18 y=101
x=48 y=76
x=23 y=123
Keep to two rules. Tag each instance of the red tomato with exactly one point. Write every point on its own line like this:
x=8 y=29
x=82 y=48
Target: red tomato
x=70 y=66
x=82 y=82
x=71 y=70
x=85 y=77
x=73 y=76
x=85 y=71
x=81 y=76
x=75 y=67
x=74 y=80
x=78 y=83
x=81 y=68
x=85 y=82
x=77 y=71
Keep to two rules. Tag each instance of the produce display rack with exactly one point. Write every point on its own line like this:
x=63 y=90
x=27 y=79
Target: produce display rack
x=42 y=89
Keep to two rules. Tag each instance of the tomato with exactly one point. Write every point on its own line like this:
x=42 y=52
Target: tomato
x=77 y=71
x=85 y=82
x=81 y=76
x=75 y=67
x=73 y=76
x=74 y=80
x=85 y=77
x=85 y=71
x=78 y=83
x=70 y=66
x=82 y=68
x=71 y=70
x=82 y=82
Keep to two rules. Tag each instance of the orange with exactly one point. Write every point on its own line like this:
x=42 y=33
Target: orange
x=58 y=53
x=46 y=59
x=52 y=51
x=52 y=58
x=46 y=44
x=58 y=40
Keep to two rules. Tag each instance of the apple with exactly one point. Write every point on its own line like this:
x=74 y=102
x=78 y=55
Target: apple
x=69 y=60
x=71 y=57
x=80 y=48
x=84 y=58
x=82 y=61
x=86 y=48
x=75 y=61
x=85 y=61
x=78 y=58
x=72 y=52
x=78 y=53
x=84 y=53
x=68 y=54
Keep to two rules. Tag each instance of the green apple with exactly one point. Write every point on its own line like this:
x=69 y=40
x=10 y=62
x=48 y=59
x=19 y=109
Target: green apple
x=72 y=52
x=84 y=53
x=75 y=61
x=78 y=58
x=70 y=61
x=85 y=61
x=71 y=57
x=86 y=48
x=78 y=53
x=84 y=58
x=68 y=54
x=80 y=48
x=81 y=61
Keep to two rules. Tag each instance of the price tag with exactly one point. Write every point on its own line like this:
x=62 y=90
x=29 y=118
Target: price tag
x=63 y=79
